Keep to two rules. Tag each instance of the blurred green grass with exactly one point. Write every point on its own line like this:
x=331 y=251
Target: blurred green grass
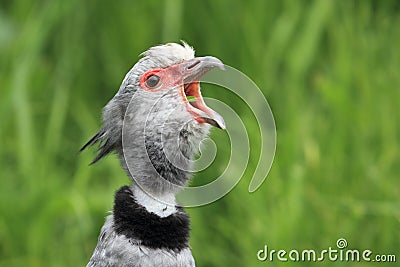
x=329 y=69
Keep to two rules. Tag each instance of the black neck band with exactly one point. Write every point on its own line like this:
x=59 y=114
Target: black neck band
x=134 y=221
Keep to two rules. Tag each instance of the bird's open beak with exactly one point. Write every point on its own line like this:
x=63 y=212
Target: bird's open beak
x=192 y=70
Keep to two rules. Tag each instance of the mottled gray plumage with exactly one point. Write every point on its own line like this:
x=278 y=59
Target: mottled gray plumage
x=155 y=133
x=117 y=250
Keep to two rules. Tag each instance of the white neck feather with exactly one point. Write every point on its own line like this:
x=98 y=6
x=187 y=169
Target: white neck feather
x=161 y=205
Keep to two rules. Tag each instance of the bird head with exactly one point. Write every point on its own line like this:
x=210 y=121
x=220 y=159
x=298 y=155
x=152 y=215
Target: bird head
x=159 y=103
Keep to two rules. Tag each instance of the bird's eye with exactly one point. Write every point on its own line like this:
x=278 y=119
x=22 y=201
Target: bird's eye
x=152 y=81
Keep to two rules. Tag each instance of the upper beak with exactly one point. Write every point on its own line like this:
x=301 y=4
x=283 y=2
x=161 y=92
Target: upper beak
x=201 y=65
x=192 y=71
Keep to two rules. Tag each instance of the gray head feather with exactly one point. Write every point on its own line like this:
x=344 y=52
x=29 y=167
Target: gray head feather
x=170 y=140
x=110 y=135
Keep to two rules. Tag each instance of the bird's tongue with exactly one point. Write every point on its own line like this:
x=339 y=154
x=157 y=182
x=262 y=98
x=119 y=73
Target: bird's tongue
x=198 y=109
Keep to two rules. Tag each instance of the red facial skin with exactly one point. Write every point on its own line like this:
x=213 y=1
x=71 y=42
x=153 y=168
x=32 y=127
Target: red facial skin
x=169 y=77
x=173 y=76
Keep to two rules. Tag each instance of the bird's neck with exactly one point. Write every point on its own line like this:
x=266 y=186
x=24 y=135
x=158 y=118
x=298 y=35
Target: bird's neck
x=159 y=156
x=162 y=205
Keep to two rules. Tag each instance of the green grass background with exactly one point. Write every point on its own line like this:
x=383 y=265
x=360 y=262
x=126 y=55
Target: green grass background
x=329 y=69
